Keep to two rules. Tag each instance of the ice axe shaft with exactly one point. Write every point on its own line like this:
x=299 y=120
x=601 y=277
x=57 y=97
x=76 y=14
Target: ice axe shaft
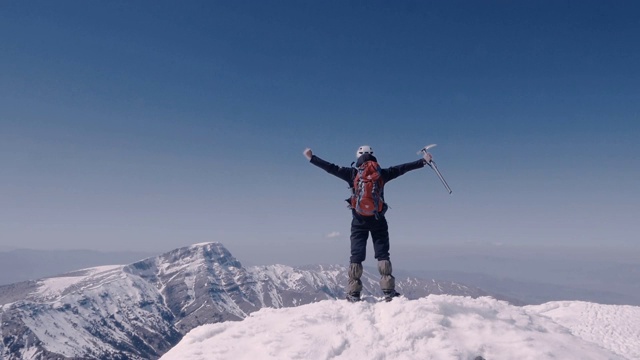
x=432 y=164
x=435 y=168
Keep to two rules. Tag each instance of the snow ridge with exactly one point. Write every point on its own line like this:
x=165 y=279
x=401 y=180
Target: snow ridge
x=440 y=327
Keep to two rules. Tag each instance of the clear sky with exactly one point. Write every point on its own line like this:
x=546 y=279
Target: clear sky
x=149 y=125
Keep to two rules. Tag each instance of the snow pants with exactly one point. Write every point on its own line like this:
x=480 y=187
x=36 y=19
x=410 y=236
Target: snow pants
x=361 y=226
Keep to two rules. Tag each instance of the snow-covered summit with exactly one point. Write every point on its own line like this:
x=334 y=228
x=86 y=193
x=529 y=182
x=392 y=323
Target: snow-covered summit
x=435 y=327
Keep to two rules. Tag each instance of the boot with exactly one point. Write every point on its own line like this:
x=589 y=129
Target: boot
x=390 y=294
x=355 y=297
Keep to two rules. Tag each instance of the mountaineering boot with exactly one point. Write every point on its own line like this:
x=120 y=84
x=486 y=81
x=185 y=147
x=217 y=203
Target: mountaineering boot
x=387 y=281
x=353 y=297
x=390 y=294
x=354 y=287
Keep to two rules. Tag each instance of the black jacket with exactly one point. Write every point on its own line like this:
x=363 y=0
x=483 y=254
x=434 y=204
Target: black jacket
x=348 y=174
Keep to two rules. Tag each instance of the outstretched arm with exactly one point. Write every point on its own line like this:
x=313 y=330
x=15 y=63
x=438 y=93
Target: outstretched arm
x=343 y=173
x=395 y=171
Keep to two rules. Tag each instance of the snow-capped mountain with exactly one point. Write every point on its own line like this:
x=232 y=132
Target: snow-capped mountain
x=104 y=312
x=141 y=310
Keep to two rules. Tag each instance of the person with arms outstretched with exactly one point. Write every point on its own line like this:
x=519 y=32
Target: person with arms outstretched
x=366 y=181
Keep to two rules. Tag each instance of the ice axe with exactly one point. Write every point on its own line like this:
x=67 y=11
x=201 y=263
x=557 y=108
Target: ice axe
x=432 y=164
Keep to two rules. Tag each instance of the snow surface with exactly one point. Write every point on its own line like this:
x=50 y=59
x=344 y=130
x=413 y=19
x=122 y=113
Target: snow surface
x=55 y=286
x=434 y=327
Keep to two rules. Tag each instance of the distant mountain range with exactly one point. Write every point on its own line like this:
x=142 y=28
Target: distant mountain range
x=141 y=310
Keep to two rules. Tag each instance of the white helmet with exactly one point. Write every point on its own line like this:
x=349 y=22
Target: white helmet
x=364 y=149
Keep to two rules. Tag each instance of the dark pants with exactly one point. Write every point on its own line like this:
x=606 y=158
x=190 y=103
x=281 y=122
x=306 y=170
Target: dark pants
x=361 y=226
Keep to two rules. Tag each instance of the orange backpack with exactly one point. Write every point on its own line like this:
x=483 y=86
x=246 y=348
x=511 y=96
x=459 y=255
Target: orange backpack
x=367 y=199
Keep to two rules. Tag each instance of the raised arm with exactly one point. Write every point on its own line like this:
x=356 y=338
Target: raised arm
x=344 y=173
x=395 y=171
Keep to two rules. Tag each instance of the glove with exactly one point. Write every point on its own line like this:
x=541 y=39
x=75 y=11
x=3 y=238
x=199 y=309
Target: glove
x=427 y=157
x=307 y=153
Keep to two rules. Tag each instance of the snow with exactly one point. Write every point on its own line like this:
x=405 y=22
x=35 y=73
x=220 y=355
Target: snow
x=203 y=244
x=434 y=327
x=80 y=302
x=55 y=286
x=615 y=327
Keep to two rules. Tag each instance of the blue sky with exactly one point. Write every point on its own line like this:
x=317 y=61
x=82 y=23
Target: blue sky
x=150 y=125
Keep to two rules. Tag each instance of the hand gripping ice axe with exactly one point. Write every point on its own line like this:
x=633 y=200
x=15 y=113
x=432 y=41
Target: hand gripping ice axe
x=432 y=164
